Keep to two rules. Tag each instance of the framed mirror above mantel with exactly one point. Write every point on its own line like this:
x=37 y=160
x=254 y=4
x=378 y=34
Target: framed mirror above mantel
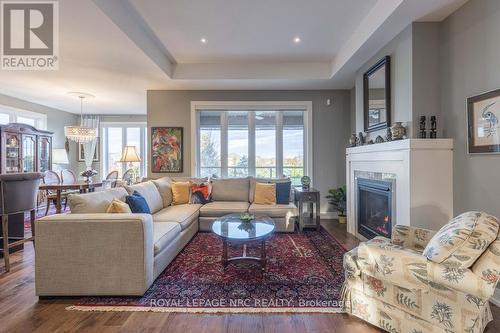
x=377 y=96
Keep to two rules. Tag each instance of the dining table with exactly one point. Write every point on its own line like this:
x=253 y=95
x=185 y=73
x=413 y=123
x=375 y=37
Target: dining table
x=82 y=187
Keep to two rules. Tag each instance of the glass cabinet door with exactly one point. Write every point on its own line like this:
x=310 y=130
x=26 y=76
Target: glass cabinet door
x=13 y=153
x=29 y=153
x=43 y=154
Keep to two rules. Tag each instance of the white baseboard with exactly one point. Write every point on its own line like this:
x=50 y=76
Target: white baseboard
x=495 y=299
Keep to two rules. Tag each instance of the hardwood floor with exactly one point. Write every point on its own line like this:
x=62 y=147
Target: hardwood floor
x=21 y=311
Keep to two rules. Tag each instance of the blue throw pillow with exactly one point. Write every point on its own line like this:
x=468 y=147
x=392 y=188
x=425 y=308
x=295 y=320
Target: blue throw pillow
x=137 y=203
x=283 y=193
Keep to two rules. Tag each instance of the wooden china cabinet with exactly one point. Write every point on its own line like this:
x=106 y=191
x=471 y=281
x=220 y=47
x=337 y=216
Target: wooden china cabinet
x=23 y=148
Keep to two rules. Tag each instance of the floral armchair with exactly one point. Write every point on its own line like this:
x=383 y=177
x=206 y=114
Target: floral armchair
x=423 y=281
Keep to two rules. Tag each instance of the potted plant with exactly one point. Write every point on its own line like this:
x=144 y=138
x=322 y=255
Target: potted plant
x=337 y=198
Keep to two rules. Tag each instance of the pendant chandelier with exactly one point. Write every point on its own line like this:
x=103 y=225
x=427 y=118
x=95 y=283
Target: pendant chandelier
x=80 y=134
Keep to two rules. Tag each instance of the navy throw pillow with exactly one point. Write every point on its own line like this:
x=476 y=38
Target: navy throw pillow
x=283 y=193
x=137 y=203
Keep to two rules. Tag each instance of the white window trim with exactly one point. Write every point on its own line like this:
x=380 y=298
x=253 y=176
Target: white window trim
x=123 y=125
x=254 y=105
x=40 y=118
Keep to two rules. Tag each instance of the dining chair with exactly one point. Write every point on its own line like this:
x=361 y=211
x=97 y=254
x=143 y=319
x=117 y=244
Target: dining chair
x=128 y=176
x=111 y=179
x=51 y=178
x=68 y=177
x=18 y=194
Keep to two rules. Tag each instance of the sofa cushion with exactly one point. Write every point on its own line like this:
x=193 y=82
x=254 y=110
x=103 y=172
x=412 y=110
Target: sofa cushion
x=221 y=208
x=137 y=203
x=180 y=193
x=182 y=214
x=273 y=210
x=118 y=206
x=163 y=186
x=164 y=234
x=254 y=180
x=150 y=192
x=230 y=189
x=95 y=202
x=462 y=240
x=265 y=193
x=283 y=192
x=190 y=179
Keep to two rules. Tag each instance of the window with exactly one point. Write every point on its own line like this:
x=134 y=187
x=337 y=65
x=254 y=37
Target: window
x=115 y=136
x=262 y=143
x=11 y=115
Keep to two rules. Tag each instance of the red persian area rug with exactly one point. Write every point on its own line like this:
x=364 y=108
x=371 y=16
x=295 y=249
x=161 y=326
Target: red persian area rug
x=304 y=274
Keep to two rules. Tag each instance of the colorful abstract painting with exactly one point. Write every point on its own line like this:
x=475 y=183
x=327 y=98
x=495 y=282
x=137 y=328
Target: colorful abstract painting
x=166 y=149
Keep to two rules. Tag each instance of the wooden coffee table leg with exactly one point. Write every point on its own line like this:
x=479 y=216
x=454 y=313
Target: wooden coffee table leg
x=263 y=255
x=224 y=253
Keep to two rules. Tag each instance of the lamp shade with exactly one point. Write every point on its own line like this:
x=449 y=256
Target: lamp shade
x=59 y=156
x=129 y=154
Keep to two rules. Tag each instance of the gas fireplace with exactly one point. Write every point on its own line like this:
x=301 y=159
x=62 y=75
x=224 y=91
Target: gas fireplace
x=374 y=207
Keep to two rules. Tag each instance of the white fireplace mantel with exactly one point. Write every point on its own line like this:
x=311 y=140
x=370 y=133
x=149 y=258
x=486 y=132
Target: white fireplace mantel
x=422 y=173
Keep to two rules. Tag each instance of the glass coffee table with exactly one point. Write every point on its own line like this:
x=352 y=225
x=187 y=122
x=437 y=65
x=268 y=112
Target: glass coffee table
x=234 y=230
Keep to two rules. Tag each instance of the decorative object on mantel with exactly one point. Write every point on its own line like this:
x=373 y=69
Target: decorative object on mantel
x=379 y=139
x=388 y=137
x=422 y=134
x=337 y=198
x=483 y=114
x=361 y=139
x=353 y=140
x=433 y=134
x=80 y=134
x=305 y=181
x=398 y=131
x=88 y=174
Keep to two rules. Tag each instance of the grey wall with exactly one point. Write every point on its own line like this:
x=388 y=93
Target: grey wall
x=400 y=51
x=56 y=120
x=470 y=64
x=330 y=124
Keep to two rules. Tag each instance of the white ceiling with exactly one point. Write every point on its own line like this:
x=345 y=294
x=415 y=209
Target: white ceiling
x=118 y=49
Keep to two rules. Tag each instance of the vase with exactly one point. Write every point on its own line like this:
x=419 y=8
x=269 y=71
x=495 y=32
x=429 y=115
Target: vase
x=398 y=131
x=342 y=219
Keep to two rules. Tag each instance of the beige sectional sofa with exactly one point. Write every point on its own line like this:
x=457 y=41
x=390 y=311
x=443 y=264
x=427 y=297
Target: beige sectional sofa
x=90 y=252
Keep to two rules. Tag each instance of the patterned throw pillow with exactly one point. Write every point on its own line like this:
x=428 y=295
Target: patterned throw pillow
x=137 y=203
x=265 y=194
x=201 y=193
x=462 y=241
x=118 y=206
x=180 y=192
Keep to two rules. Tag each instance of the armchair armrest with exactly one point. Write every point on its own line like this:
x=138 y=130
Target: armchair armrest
x=411 y=237
x=93 y=254
x=449 y=276
x=390 y=262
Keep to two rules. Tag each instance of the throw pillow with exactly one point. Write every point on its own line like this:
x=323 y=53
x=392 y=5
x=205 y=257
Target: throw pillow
x=265 y=194
x=137 y=203
x=460 y=242
x=180 y=192
x=283 y=193
x=201 y=193
x=118 y=206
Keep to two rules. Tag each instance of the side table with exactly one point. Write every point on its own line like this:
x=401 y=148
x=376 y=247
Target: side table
x=311 y=197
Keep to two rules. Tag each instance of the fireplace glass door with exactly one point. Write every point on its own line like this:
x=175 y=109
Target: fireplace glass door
x=374 y=208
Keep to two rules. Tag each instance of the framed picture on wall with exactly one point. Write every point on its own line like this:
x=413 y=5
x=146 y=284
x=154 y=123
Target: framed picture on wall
x=81 y=152
x=483 y=115
x=167 y=149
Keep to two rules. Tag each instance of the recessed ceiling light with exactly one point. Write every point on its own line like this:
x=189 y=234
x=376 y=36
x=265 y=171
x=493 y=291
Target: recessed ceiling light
x=203 y=40
x=296 y=40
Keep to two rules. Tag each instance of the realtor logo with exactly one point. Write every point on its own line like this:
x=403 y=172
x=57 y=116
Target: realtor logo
x=29 y=35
